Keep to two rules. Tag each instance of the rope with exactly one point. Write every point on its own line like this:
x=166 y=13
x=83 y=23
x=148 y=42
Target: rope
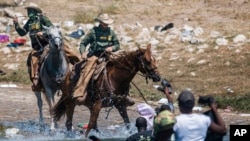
x=39 y=42
x=140 y=92
x=108 y=111
x=132 y=81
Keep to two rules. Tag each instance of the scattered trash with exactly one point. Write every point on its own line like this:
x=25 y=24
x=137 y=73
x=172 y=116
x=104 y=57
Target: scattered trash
x=17 y=42
x=4 y=38
x=2 y=72
x=168 y=26
x=12 y=45
x=163 y=28
x=20 y=41
x=77 y=34
x=82 y=125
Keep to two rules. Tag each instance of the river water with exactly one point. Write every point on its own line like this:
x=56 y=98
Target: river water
x=19 y=120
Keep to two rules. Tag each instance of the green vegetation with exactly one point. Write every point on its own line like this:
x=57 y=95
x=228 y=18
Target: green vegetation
x=16 y=76
x=238 y=102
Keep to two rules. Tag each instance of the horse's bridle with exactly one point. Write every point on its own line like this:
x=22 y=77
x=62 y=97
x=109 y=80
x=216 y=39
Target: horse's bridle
x=53 y=39
x=148 y=70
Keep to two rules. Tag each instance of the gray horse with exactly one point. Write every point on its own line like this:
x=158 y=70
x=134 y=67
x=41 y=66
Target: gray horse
x=53 y=70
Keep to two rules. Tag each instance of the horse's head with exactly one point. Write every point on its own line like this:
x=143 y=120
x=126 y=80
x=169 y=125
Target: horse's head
x=54 y=36
x=148 y=64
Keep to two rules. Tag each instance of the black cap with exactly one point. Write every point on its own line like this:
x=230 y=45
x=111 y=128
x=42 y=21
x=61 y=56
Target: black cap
x=186 y=99
x=141 y=122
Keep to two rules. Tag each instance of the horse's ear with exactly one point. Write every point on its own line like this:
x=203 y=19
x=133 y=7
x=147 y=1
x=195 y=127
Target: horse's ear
x=148 y=52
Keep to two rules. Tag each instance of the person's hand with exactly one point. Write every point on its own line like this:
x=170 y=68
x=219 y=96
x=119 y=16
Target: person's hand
x=109 y=49
x=15 y=20
x=39 y=33
x=84 y=56
x=213 y=106
x=166 y=90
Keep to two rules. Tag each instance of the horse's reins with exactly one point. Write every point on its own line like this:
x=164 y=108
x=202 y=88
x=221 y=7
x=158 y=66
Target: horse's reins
x=125 y=67
x=39 y=43
x=140 y=92
x=136 y=73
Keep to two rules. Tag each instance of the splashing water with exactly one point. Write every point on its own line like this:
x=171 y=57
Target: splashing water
x=33 y=131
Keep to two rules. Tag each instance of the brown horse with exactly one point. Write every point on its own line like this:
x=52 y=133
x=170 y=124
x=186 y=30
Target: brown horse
x=110 y=88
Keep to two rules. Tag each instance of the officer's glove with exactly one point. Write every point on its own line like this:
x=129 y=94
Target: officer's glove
x=84 y=56
x=109 y=49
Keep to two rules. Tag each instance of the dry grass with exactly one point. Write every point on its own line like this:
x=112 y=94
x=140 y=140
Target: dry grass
x=4 y=3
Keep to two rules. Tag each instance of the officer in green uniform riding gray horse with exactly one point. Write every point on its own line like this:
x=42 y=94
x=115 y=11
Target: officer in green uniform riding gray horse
x=101 y=39
x=35 y=27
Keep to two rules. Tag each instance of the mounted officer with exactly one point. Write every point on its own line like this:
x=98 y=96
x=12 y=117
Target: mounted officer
x=101 y=39
x=35 y=27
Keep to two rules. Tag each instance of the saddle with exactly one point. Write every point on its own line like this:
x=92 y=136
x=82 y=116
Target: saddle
x=77 y=69
x=101 y=64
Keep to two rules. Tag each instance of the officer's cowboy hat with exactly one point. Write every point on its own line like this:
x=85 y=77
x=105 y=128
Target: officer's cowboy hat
x=104 y=18
x=38 y=10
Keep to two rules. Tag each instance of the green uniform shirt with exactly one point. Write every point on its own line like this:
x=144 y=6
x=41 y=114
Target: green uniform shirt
x=99 y=39
x=32 y=26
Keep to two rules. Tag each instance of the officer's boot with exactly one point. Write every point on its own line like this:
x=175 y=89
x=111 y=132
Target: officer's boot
x=129 y=101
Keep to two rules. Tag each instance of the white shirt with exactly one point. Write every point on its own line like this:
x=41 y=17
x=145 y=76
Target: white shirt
x=191 y=127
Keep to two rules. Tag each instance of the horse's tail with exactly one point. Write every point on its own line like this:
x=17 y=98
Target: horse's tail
x=59 y=109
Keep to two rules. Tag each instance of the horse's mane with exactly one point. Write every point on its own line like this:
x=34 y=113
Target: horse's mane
x=123 y=55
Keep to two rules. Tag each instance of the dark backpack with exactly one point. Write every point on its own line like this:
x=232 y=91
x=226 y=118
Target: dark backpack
x=211 y=136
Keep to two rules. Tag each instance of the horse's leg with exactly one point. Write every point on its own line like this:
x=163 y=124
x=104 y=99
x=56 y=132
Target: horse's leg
x=40 y=106
x=94 y=113
x=124 y=114
x=70 y=107
x=51 y=102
